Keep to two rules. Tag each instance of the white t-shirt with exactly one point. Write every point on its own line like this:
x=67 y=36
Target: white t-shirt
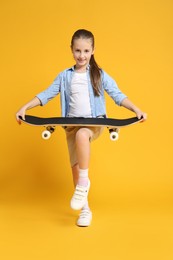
x=79 y=96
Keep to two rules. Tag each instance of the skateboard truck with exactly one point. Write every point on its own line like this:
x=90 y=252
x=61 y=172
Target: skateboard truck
x=114 y=134
x=46 y=134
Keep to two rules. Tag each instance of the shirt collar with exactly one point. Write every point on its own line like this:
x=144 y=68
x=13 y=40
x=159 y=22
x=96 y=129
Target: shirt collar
x=73 y=67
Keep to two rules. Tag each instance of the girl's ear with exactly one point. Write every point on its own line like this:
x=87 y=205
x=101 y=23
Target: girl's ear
x=93 y=51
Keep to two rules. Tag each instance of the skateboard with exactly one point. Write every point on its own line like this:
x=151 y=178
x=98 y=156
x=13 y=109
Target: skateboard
x=50 y=124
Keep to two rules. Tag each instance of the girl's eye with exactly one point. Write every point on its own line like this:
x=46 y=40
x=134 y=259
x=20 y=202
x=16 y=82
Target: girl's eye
x=78 y=51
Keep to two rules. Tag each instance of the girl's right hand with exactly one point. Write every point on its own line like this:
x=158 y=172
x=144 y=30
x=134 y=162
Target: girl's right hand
x=21 y=113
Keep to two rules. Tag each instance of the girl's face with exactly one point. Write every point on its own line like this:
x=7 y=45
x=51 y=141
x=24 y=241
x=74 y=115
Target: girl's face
x=82 y=51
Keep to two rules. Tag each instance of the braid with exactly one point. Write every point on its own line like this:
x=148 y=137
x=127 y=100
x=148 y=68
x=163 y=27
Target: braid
x=95 y=75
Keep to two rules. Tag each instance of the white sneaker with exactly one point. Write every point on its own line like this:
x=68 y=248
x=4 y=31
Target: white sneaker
x=85 y=218
x=80 y=196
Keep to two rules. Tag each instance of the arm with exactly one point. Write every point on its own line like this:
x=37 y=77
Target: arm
x=120 y=99
x=129 y=105
x=33 y=103
x=41 y=99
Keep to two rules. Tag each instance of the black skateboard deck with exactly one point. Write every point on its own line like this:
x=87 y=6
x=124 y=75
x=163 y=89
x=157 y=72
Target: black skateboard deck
x=52 y=122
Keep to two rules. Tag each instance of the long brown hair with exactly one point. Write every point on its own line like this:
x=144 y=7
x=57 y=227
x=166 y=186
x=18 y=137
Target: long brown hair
x=95 y=71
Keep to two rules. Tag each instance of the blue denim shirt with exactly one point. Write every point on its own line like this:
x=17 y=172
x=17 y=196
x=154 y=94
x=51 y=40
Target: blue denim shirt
x=62 y=84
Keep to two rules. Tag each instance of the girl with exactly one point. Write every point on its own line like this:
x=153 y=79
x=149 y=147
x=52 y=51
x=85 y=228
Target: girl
x=82 y=95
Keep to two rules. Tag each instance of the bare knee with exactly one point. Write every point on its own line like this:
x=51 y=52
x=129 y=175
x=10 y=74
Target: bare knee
x=83 y=135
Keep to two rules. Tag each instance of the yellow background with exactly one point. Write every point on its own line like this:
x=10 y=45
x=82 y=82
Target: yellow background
x=131 y=194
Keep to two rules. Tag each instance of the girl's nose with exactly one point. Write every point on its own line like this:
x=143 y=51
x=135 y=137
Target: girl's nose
x=82 y=54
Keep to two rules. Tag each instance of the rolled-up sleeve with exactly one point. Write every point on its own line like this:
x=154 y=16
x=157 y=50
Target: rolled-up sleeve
x=110 y=86
x=52 y=91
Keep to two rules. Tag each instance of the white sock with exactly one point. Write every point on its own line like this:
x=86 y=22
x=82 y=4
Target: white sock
x=83 y=177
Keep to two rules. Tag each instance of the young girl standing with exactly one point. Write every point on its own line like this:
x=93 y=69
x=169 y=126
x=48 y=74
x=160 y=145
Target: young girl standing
x=82 y=95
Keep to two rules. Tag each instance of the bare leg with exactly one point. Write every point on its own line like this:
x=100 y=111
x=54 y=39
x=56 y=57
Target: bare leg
x=75 y=172
x=83 y=147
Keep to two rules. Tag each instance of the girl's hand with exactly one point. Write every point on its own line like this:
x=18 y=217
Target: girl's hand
x=20 y=113
x=141 y=115
x=33 y=103
x=129 y=105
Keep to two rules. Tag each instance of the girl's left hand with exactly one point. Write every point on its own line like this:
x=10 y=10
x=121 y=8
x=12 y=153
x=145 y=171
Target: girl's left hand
x=141 y=115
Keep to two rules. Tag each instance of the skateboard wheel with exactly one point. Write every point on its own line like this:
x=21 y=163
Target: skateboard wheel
x=114 y=136
x=46 y=134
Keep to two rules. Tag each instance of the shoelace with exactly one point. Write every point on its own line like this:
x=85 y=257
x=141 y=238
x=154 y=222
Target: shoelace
x=85 y=214
x=80 y=192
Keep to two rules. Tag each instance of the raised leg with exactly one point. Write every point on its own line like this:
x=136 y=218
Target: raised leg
x=75 y=173
x=83 y=147
x=80 y=170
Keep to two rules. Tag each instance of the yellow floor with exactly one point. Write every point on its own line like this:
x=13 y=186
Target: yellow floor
x=39 y=225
